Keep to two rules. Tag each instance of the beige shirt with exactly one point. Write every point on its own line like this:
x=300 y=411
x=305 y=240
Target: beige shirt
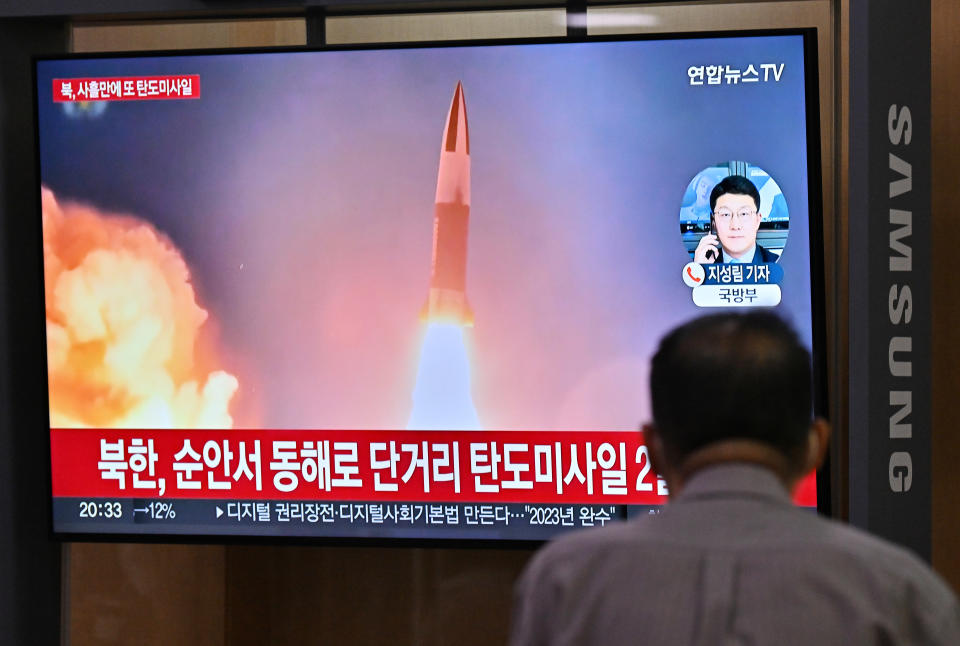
x=731 y=561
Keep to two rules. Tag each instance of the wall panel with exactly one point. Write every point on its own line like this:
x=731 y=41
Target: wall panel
x=945 y=144
x=395 y=28
x=150 y=595
x=200 y=34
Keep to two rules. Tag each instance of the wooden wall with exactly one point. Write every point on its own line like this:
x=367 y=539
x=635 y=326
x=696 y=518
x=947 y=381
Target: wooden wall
x=945 y=149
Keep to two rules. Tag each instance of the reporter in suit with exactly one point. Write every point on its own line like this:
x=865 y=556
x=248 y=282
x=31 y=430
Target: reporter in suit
x=735 y=216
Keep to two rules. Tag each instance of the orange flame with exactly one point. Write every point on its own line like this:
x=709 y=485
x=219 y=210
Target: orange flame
x=122 y=327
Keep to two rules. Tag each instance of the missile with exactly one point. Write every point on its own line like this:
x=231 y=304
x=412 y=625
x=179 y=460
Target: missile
x=447 y=296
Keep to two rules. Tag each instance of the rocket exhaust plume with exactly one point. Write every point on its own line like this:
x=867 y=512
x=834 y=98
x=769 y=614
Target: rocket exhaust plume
x=441 y=398
x=122 y=327
x=447 y=296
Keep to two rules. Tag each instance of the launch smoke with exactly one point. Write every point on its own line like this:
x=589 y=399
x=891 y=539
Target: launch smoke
x=122 y=326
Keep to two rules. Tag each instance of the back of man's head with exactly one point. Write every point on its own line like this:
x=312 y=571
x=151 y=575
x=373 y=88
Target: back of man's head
x=732 y=377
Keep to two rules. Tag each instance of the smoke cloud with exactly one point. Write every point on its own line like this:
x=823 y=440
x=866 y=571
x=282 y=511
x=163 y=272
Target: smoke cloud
x=123 y=327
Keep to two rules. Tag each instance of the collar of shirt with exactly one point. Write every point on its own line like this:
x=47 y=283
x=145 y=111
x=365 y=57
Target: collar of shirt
x=746 y=258
x=734 y=479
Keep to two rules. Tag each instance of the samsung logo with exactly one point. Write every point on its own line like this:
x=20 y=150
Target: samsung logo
x=900 y=299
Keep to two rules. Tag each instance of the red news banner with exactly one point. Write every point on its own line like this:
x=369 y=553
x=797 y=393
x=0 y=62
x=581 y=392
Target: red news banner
x=560 y=467
x=126 y=88
x=412 y=466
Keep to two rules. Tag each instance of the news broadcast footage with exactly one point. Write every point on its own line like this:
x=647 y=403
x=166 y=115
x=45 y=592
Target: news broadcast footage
x=391 y=293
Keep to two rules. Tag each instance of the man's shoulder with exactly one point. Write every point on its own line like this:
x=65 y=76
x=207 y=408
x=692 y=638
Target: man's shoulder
x=856 y=543
x=889 y=576
x=886 y=559
x=823 y=544
x=583 y=553
x=766 y=255
x=578 y=548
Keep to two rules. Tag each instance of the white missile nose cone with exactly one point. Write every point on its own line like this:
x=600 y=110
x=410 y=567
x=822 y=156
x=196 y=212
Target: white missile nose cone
x=453 y=175
x=456 y=136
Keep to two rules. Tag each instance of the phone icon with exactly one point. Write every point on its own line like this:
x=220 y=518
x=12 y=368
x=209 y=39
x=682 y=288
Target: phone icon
x=693 y=274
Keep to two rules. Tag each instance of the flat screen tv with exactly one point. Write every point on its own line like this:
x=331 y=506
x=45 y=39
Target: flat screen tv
x=403 y=292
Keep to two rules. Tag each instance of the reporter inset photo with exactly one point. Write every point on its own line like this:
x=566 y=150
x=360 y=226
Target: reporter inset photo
x=734 y=213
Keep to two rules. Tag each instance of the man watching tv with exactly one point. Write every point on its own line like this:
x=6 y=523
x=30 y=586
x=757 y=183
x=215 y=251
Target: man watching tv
x=735 y=217
x=730 y=559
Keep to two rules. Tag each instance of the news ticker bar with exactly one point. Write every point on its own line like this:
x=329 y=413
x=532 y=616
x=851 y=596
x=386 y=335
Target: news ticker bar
x=332 y=519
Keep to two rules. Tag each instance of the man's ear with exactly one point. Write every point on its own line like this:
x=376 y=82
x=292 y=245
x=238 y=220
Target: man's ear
x=818 y=441
x=651 y=438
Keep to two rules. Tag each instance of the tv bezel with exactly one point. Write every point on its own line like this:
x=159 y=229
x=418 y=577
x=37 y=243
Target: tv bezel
x=817 y=278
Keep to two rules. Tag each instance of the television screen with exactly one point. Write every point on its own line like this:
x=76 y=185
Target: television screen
x=404 y=291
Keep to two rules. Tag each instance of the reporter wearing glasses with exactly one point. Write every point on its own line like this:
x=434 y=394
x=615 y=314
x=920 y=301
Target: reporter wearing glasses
x=735 y=219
